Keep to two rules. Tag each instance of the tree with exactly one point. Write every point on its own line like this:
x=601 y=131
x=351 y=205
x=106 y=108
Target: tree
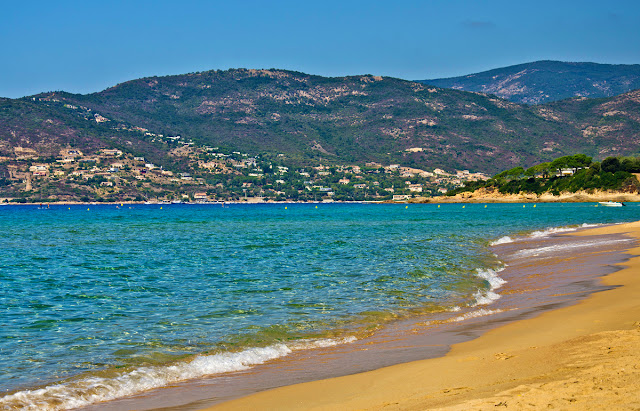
x=610 y=164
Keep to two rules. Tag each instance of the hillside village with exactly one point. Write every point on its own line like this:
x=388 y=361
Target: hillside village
x=111 y=175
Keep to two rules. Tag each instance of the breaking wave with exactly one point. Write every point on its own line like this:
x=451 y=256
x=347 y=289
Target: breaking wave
x=541 y=234
x=473 y=314
x=484 y=297
x=552 y=249
x=90 y=390
x=502 y=240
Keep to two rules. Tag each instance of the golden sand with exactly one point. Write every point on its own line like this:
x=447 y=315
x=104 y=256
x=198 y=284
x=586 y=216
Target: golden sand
x=585 y=356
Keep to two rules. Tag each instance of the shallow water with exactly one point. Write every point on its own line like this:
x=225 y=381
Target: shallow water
x=101 y=302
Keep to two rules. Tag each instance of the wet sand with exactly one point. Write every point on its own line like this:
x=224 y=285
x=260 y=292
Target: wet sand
x=542 y=274
x=582 y=356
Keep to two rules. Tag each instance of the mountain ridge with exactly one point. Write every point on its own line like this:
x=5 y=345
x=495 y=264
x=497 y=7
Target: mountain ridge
x=548 y=80
x=340 y=119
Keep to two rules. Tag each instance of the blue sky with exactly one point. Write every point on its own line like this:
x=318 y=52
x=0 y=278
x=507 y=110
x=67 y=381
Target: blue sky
x=87 y=46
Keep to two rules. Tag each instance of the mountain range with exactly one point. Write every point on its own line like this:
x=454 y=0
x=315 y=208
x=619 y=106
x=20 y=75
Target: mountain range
x=546 y=81
x=317 y=119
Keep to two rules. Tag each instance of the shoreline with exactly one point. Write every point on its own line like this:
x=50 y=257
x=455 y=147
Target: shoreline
x=463 y=198
x=411 y=339
x=585 y=354
x=398 y=334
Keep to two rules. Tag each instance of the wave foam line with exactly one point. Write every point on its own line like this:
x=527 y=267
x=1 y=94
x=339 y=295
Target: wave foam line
x=466 y=316
x=552 y=230
x=502 y=240
x=536 y=252
x=91 y=390
x=542 y=233
x=474 y=314
x=484 y=297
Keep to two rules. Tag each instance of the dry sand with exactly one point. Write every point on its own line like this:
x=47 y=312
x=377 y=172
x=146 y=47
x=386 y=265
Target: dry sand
x=586 y=356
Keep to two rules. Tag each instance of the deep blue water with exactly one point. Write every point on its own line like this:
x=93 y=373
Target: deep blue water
x=98 y=291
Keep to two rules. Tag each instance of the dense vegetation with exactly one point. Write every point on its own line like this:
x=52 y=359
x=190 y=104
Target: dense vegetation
x=313 y=119
x=547 y=81
x=564 y=174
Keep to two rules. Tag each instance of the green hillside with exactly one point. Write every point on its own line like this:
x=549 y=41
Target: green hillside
x=565 y=174
x=316 y=120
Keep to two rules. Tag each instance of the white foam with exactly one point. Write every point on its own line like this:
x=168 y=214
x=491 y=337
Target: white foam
x=91 y=390
x=542 y=233
x=473 y=314
x=319 y=343
x=502 y=240
x=484 y=297
x=492 y=277
x=552 y=230
x=560 y=248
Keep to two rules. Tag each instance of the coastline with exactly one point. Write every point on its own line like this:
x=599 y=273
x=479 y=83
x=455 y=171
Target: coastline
x=402 y=340
x=484 y=196
x=582 y=356
x=478 y=196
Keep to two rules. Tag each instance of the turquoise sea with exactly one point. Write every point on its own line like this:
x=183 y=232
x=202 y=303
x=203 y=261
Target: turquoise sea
x=103 y=301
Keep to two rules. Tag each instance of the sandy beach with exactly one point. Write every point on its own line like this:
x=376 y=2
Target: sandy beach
x=585 y=356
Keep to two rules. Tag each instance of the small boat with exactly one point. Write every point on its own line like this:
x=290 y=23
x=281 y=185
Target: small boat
x=611 y=203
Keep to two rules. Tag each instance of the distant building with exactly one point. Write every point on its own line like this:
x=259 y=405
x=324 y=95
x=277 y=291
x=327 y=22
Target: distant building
x=567 y=171
x=200 y=196
x=400 y=197
x=112 y=152
x=39 y=168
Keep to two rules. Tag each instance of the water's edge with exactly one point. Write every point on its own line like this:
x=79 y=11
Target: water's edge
x=413 y=339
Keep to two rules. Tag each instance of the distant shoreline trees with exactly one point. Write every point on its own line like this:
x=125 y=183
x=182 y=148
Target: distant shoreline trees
x=565 y=174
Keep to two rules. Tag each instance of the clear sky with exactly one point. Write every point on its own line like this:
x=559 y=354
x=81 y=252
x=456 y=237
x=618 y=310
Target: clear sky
x=87 y=46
